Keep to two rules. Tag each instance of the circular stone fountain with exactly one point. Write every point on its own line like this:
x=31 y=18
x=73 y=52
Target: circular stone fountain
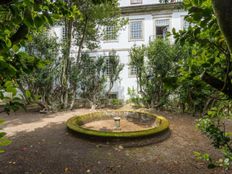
x=118 y=124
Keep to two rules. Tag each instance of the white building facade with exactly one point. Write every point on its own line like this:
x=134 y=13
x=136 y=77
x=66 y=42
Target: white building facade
x=147 y=20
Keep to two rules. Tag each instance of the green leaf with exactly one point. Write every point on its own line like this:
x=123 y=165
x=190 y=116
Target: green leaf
x=2 y=134
x=7 y=32
x=8 y=83
x=15 y=48
x=28 y=20
x=39 y=21
x=8 y=42
x=28 y=94
x=12 y=90
x=29 y=37
x=4 y=142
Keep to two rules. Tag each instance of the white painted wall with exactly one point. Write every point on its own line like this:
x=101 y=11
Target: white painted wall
x=57 y=32
x=123 y=39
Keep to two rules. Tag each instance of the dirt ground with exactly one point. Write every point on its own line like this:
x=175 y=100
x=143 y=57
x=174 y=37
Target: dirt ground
x=41 y=144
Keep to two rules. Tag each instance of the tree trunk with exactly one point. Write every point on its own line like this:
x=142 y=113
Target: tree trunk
x=218 y=84
x=92 y=103
x=110 y=88
x=74 y=90
x=222 y=10
x=66 y=63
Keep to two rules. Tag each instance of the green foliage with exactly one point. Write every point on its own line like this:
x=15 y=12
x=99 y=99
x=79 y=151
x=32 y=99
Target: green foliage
x=193 y=93
x=205 y=157
x=209 y=51
x=86 y=30
x=157 y=73
x=18 y=21
x=213 y=125
x=10 y=97
x=92 y=78
x=40 y=82
x=116 y=102
x=3 y=141
x=134 y=97
x=94 y=75
x=114 y=69
x=91 y=17
x=209 y=62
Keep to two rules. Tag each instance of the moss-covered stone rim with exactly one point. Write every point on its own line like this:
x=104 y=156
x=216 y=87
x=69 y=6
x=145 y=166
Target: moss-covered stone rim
x=75 y=123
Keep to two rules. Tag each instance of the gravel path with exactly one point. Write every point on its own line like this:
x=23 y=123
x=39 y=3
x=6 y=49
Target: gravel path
x=16 y=125
x=42 y=145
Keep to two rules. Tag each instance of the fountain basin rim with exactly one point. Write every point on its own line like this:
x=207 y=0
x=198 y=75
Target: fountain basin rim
x=72 y=124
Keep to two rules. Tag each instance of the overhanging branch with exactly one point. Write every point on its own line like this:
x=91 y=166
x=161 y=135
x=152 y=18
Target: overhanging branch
x=217 y=84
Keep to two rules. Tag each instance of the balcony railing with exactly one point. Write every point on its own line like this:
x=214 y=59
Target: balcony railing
x=154 y=37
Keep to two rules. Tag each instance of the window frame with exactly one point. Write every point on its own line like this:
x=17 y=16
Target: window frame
x=133 y=2
x=142 y=30
x=105 y=39
x=108 y=66
x=159 y=19
x=132 y=71
x=64 y=33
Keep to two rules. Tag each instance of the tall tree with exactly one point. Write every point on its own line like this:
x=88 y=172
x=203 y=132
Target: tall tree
x=114 y=70
x=210 y=37
x=156 y=67
x=222 y=11
x=89 y=30
x=41 y=81
x=92 y=78
x=206 y=33
x=18 y=20
x=67 y=40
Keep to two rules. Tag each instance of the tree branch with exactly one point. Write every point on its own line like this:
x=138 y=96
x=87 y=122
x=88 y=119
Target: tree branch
x=222 y=9
x=226 y=88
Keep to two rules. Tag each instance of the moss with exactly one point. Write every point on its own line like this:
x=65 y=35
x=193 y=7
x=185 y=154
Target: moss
x=75 y=123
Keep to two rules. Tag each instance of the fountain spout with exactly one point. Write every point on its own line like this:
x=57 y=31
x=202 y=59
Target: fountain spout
x=117 y=123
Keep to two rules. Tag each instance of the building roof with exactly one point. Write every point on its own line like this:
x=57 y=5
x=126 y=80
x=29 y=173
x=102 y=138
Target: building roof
x=150 y=8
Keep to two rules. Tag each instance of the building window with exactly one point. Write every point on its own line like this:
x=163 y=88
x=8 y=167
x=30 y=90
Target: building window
x=113 y=95
x=136 y=30
x=110 y=33
x=136 y=1
x=132 y=70
x=108 y=66
x=64 y=33
x=185 y=24
x=162 y=27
